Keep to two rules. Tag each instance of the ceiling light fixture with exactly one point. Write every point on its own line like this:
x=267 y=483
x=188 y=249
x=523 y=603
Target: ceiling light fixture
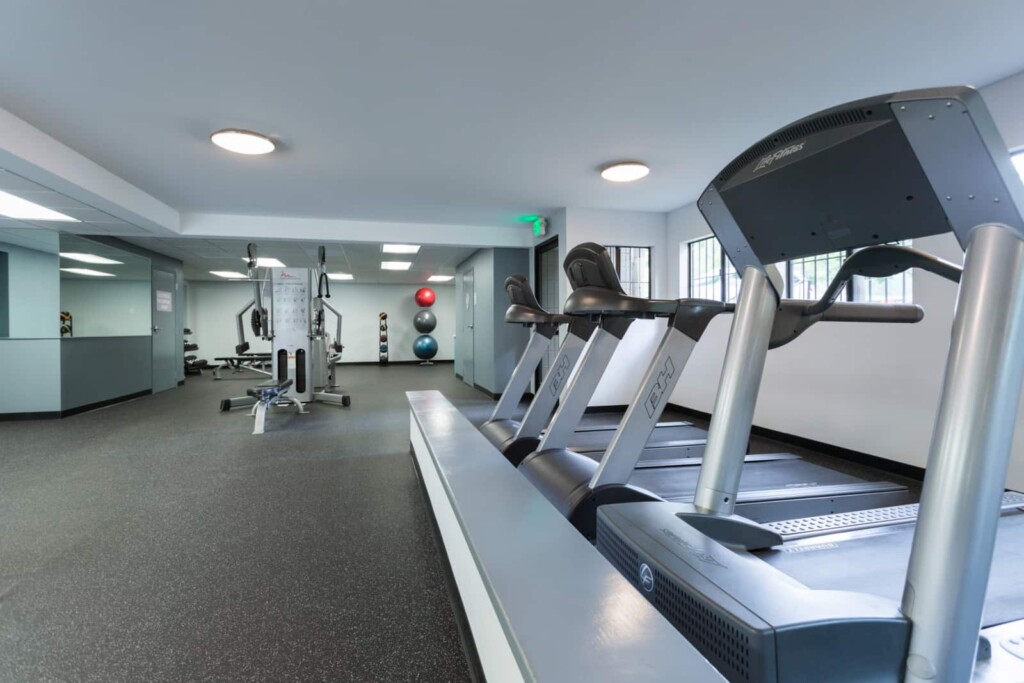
x=262 y=262
x=22 y=209
x=229 y=274
x=401 y=248
x=86 y=271
x=242 y=141
x=624 y=171
x=340 y=276
x=395 y=265
x=90 y=258
x=440 y=278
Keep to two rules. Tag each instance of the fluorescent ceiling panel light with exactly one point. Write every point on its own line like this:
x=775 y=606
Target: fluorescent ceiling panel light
x=339 y=276
x=625 y=171
x=262 y=262
x=90 y=258
x=22 y=209
x=229 y=274
x=242 y=141
x=440 y=278
x=1018 y=162
x=401 y=248
x=395 y=265
x=86 y=271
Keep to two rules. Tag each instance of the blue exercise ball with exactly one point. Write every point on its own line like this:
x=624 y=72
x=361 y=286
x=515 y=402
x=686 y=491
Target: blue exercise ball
x=425 y=347
x=425 y=321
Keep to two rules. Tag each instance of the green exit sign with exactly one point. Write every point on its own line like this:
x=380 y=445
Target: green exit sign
x=540 y=224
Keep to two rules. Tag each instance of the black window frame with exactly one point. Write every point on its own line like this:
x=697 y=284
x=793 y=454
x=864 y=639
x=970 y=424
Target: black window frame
x=615 y=251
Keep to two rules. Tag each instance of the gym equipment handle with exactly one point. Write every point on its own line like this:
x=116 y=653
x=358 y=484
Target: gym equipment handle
x=883 y=260
x=848 y=312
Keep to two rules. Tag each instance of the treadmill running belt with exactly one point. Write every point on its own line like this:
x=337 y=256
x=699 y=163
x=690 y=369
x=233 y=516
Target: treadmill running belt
x=598 y=440
x=679 y=484
x=875 y=561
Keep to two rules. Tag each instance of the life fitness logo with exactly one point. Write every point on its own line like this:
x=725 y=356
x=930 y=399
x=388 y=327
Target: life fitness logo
x=285 y=275
x=769 y=159
x=646 y=578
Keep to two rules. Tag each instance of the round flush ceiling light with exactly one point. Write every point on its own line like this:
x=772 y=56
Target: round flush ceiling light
x=624 y=171
x=242 y=141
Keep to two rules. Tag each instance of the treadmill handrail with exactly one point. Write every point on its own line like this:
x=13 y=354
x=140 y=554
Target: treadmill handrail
x=880 y=261
x=524 y=315
x=599 y=301
x=793 y=318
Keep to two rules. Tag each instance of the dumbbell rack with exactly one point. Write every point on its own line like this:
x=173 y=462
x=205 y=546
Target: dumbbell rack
x=383 y=338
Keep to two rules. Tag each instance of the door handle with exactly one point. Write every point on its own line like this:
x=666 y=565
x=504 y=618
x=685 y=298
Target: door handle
x=156 y=329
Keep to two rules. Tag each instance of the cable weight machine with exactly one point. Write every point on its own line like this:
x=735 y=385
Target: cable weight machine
x=303 y=355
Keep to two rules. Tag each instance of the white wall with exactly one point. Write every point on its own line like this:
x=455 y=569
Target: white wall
x=101 y=308
x=630 y=229
x=870 y=388
x=212 y=307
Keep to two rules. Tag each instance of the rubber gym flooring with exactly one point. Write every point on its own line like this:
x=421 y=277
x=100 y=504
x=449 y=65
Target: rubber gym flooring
x=158 y=540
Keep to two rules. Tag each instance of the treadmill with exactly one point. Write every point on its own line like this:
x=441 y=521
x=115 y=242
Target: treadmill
x=670 y=442
x=929 y=593
x=774 y=487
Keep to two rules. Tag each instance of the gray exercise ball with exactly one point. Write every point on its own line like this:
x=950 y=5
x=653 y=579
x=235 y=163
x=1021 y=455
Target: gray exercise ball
x=425 y=321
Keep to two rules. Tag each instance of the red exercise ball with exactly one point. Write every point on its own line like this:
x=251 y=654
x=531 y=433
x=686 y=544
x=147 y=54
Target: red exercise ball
x=425 y=297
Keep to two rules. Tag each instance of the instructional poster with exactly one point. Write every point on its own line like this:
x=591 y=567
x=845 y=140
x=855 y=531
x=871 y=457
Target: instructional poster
x=164 y=301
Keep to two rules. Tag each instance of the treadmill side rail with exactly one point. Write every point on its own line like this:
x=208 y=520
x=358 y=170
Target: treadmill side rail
x=521 y=376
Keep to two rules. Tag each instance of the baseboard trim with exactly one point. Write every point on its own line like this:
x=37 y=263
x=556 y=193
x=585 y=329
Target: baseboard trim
x=19 y=417
x=396 y=362
x=469 y=651
x=859 y=457
x=489 y=394
x=103 y=404
x=56 y=414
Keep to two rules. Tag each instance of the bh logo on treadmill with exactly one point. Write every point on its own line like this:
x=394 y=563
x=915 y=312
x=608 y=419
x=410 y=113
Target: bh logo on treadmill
x=561 y=372
x=660 y=387
x=646 y=577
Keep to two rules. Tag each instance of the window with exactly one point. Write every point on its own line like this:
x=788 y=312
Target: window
x=633 y=264
x=809 y=277
x=897 y=289
x=711 y=274
x=713 y=277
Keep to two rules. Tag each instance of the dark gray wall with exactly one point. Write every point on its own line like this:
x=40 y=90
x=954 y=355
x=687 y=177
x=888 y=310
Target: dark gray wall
x=96 y=369
x=161 y=262
x=5 y=303
x=509 y=340
x=496 y=344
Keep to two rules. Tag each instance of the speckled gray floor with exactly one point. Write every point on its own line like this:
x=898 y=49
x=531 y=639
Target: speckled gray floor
x=158 y=540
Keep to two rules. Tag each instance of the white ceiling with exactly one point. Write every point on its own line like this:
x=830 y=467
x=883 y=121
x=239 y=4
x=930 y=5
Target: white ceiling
x=461 y=111
x=200 y=256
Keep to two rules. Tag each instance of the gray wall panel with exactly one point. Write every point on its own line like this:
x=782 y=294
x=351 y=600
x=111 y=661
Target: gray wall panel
x=95 y=369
